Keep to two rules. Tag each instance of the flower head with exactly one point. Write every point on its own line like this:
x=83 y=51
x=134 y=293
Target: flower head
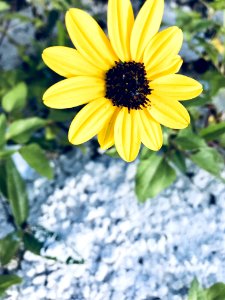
x=128 y=82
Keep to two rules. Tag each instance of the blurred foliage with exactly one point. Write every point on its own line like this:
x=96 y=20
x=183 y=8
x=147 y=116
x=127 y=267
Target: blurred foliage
x=215 y=292
x=29 y=129
x=7 y=281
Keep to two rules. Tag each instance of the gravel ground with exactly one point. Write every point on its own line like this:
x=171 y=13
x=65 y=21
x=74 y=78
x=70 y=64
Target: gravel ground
x=131 y=251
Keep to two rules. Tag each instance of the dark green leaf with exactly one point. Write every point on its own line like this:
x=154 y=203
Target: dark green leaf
x=60 y=115
x=35 y=246
x=22 y=130
x=8 y=247
x=15 y=99
x=215 y=80
x=209 y=159
x=222 y=140
x=3 y=183
x=35 y=157
x=3 y=125
x=216 y=292
x=61 y=33
x=16 y=191
x=187 y=140
x=71 y=261
x=213 y=131
x=153 y=175
x=32 y=244
x=7 y=281
x=199 y=101
x=178 y=159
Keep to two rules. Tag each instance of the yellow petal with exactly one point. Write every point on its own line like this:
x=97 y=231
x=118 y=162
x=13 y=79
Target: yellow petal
x=69 y=62
x=169 y=112
x=126 y=134
x=89 y=39
x=90 y=120
x=145 y=27
x=120 y=24
x=176 y=86
x=74 y=91
x=167 y=67
x=163 y=46
x=106 y=135
x=150 y=131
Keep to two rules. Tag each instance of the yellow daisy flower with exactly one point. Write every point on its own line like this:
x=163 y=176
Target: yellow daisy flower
x=129 y=80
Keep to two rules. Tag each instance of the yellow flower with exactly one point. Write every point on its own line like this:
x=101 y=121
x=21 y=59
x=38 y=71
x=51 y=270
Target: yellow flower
x=128 y=80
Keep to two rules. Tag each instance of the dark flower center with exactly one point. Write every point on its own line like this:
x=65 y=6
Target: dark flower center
x=127 y=85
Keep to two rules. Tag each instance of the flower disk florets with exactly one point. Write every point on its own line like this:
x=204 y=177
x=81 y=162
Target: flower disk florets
x=127 y=85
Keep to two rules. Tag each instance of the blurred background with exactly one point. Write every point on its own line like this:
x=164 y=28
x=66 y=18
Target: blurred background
x=77 y=223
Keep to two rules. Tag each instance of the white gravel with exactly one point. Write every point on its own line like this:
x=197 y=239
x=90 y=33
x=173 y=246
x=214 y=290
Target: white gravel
x=131 y=251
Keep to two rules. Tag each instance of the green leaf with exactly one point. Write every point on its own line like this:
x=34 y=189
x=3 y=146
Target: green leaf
x=15 y=99
x=178 y=159
x=145 y=153
x=3 y=183
x=217 y=4
x=187 y=140
x=216 y=82
x=196 y=292
x=17 y=15
x=216 y=292
x=22 y=130
x=209 y=159
x=60 y=115
x=8 y=247
x=211 y=51
x=16 y=191
x=193 y=291
x=32 y=244
x=3 y=124
x=213 y=131
x=35 y=246
x=4 y=6
x=112 y=153
x=7 y=281
x=61 y=33
x=35 y=157
x=6 y=153
x=153 y=175
x=197 y=24
x=222 y=140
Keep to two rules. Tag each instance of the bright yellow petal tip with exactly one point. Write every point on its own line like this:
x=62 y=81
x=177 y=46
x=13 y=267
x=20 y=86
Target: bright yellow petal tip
x=90 y=121
x=126 y=134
